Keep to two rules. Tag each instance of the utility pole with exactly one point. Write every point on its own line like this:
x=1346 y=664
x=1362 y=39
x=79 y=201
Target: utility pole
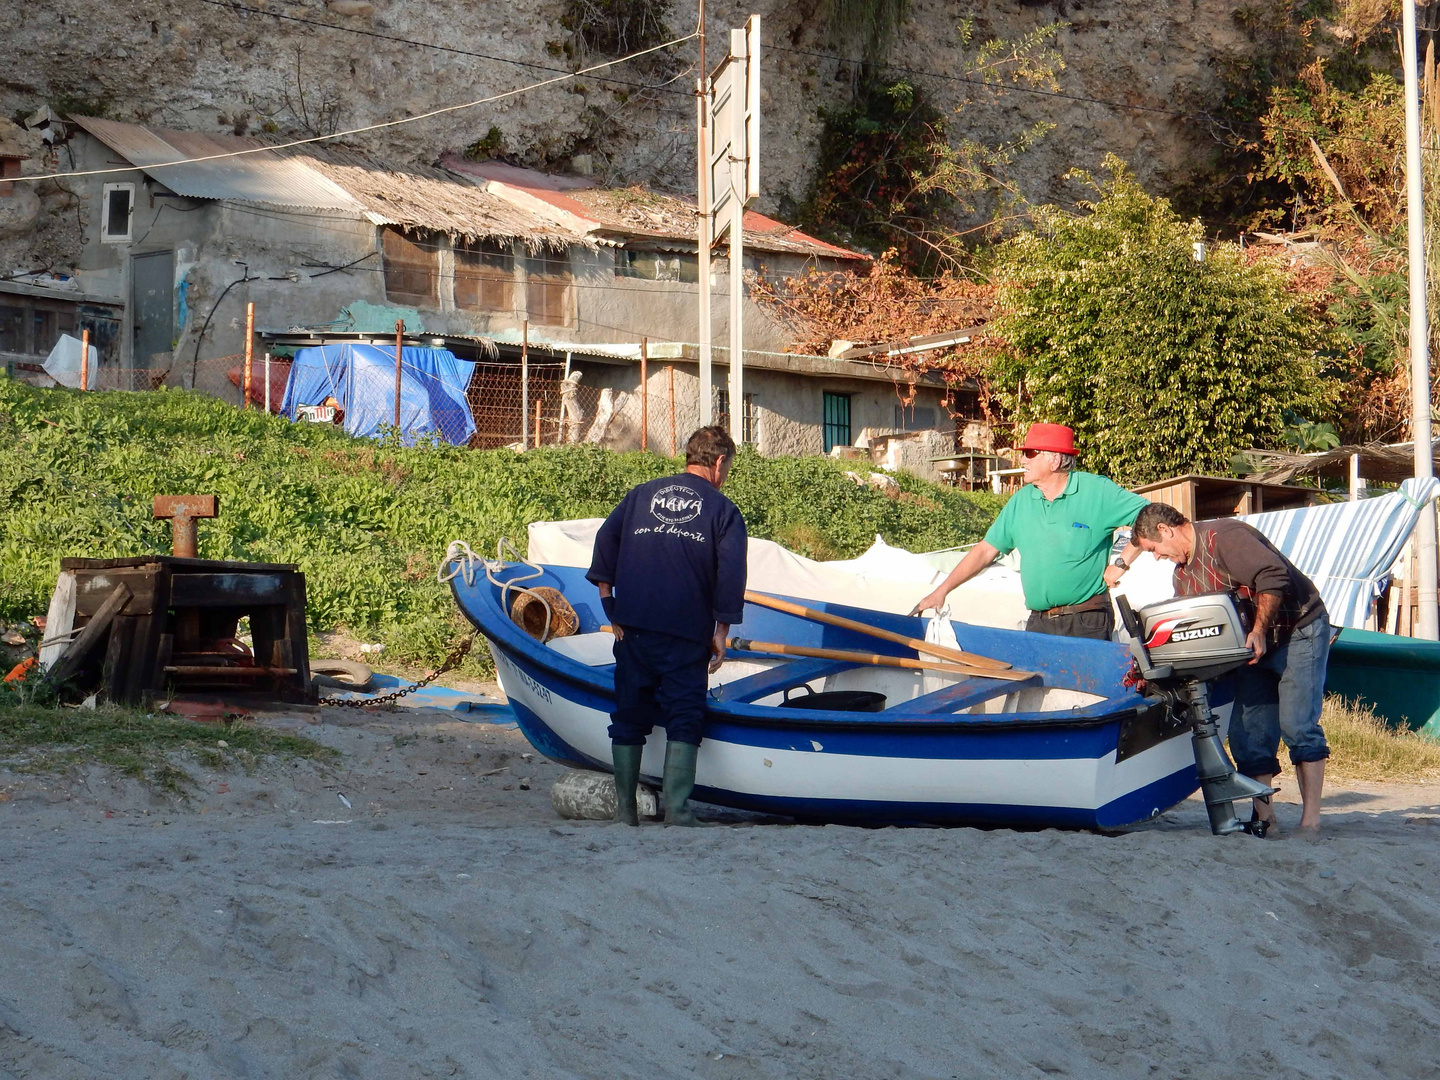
x=702 y=112
x=1425 y=540
x=737 y=170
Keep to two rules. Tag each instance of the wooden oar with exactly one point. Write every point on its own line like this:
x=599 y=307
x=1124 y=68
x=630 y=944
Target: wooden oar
x=953 y=655
x=877 y=659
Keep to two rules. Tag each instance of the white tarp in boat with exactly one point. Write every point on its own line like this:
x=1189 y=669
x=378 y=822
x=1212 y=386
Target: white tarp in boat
x=1347 y=549
x=885 y=578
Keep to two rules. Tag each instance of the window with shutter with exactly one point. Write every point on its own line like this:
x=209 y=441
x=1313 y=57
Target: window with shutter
x=548 y=287
x=412 y=269
x=485 y=277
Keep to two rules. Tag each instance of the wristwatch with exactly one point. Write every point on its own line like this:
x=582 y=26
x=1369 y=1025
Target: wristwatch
x=1121 y=563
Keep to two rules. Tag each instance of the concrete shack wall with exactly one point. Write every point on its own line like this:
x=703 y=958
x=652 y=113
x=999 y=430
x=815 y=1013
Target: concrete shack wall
x=622 y=309
x=789 y=409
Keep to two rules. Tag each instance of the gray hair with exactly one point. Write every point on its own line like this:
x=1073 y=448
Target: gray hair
x=1066 y=462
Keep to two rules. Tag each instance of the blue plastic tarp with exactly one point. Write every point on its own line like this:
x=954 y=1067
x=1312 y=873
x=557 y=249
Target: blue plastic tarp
x=361 y=379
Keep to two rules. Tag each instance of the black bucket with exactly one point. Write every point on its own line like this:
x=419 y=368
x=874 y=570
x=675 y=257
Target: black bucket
x=836 y=700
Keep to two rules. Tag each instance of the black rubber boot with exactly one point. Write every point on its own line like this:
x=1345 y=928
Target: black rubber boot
x=679 y=782
x=627 y=775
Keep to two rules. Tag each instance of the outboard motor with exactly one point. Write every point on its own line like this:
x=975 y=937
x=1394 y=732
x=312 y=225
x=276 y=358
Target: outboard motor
x=1180 y=646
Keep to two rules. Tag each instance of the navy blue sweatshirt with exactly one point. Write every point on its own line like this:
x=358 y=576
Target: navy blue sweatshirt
x=674 y=549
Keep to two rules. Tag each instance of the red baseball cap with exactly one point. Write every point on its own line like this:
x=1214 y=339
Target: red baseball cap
x=1056 y=438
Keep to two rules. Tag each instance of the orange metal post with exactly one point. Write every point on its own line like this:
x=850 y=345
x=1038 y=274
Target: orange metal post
x=670 y=393
x=249 y=354
x=644 y=395
x=537 y=420
x=399 y=336
x=84 y=359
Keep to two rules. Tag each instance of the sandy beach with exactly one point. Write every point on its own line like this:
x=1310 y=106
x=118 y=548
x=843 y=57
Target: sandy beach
x=447 y=923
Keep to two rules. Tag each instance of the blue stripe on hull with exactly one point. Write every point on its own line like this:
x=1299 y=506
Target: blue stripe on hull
x=972 y=742
x=1135 y=806
x=542 y=738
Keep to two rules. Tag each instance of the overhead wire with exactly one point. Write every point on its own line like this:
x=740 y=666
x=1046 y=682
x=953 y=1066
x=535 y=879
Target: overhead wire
x=269 y=148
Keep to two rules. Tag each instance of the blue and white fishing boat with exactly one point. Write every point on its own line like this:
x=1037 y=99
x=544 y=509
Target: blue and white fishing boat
x=1068 y=744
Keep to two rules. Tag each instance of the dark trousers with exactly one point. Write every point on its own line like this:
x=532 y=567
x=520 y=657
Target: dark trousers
x=1097 y=624
x=659 y=679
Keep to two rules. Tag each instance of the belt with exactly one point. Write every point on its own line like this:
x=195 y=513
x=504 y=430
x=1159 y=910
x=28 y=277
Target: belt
x=1099 y=602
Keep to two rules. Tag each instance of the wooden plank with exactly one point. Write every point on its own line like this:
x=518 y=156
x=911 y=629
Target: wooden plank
x=117 y=656
x=954 y=656
x=163 y=652
x=92 y=589
x=74 y=657
x=227 y=589
x=780 y=648
x=780 y=677
x=200 y=565
x=59 y=620
x=144 y=678
x=297 y=637
x=963 y=695
x=227 y=671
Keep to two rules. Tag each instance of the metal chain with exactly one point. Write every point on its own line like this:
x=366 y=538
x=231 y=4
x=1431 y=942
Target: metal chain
x=452 y=661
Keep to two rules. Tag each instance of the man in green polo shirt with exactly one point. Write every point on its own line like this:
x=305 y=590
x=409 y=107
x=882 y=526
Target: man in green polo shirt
x=1061 y=521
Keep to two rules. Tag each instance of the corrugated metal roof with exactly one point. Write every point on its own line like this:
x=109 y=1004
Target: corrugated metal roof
x=638 y=213
x=264 y=177
x=428 y=198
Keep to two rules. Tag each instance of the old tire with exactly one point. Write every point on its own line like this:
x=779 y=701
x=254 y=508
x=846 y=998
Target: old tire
x=343 y=674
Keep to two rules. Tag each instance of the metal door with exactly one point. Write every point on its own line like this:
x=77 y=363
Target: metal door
x=836 y=420
x=152 y=304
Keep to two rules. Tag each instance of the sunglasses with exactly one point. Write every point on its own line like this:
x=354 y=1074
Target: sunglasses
x=1032 y=453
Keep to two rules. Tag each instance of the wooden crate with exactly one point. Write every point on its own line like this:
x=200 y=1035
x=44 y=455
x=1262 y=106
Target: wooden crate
x=170 y=635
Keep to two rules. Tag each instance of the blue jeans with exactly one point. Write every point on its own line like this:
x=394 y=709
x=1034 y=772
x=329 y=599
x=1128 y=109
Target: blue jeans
x=1281 y=697
x=659 y=679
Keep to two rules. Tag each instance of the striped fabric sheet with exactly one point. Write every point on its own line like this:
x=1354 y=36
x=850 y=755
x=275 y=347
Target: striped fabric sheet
x=1347 y=548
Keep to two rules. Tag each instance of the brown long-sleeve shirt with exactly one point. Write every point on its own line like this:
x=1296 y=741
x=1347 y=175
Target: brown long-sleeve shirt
x=1232 y=555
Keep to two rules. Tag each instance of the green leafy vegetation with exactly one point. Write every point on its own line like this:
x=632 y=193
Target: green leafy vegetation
x=1163 y=364
x=150 y=747
x=367 y=523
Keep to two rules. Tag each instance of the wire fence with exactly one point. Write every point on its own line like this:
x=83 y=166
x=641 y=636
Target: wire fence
x=504 y=404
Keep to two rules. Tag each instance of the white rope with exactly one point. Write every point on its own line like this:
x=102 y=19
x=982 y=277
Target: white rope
x=461 y=561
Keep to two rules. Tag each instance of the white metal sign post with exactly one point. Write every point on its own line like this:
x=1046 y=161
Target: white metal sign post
x=1428 y=623
x=733 y=182
x=702 y=127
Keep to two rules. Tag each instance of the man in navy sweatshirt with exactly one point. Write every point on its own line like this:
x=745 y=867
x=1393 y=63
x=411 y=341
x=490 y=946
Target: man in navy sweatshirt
x=670 y=565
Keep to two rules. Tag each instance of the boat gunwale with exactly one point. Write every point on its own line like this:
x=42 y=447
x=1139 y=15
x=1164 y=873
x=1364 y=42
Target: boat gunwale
x=511 y=639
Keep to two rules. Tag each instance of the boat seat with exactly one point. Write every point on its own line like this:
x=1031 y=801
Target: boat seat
x=964 y=694
x=773 y=680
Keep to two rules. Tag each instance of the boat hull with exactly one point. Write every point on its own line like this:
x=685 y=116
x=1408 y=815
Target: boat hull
x=1102 y=768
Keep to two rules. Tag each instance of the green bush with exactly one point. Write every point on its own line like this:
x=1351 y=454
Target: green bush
x=366 y=522
x=1162 y=364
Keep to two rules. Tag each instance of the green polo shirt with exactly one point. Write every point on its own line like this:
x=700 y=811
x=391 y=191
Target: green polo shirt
x=1064 y=544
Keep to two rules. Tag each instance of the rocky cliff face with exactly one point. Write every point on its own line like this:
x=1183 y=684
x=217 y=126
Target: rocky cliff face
x=206 y=65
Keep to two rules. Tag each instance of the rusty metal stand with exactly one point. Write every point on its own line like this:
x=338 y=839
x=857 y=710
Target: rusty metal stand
x=176 y=632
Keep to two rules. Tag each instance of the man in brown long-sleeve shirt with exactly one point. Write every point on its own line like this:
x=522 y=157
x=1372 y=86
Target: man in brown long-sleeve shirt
x=1281 y=691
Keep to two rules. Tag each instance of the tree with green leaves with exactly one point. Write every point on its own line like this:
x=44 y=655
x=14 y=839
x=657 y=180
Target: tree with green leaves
x=1162 y=363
